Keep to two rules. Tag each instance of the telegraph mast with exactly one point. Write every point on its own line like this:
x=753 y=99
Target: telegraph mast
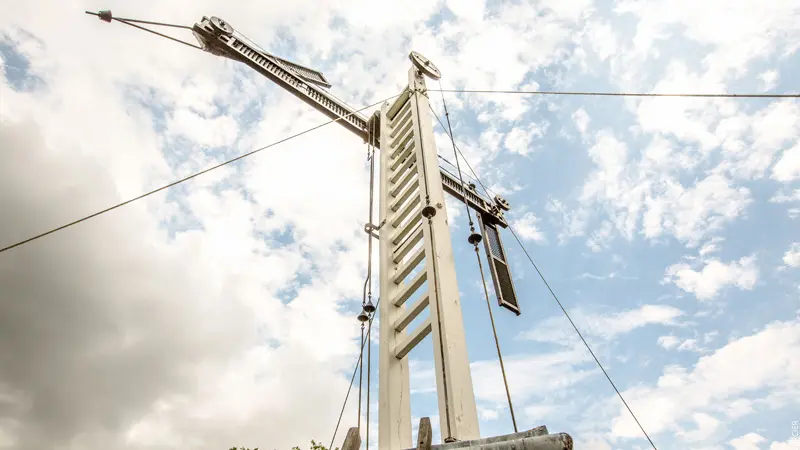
x=417 y=268
x=412 y=203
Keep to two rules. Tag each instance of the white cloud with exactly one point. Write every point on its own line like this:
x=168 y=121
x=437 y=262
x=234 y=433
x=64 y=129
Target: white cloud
x=670 y=342
x=573 y=223
x=488 y=414
x=689 y=134
x=610 y=155
x=749 y=441
x=601 y=238
x=733 y=31
x=791 y=444
x=557 y=371
x=455 y=209
x=691 y=214
x=769 y=79
x=529 y=376
x=155 y=314
x=721 y=385
x=210 y=132
x=706 y=283
x=706 y=426
x=519 y=139
x=768 y=131
x=606 y=326
x=782 y=197
x=646 y=193
x=602 y=38
x=711 y=246
x=471 y=10
x=689 y=344
x=792 y=256
x=788 y=167
x=527 y=228
x=581 y=119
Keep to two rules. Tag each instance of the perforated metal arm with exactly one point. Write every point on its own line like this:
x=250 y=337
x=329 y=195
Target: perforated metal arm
x=217 y=37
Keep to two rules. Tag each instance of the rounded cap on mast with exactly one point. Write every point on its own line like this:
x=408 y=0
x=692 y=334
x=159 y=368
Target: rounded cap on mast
x=425 y=65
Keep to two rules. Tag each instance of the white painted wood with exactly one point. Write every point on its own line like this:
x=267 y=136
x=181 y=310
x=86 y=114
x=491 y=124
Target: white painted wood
x=411 y=341
x=412 y=312
x=394 y=409
x=457 y=412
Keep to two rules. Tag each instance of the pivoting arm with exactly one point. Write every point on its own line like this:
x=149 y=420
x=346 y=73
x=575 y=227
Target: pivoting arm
x=216 y=36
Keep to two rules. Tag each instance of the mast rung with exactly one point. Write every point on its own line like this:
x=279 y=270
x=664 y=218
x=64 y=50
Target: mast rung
x=411 y=312
x=416 y=336
x=410 y=190
x=401 y=153
x=400 y=184
x=402 y=134
x=408 y=209
x=401 y=130
x=403 y=139
x=408 y=226
x=401 y=252
x=401 y=105
x=409 y=265
x=402 y=156
x=407 y=289
x=402 y=169
x=401 y=122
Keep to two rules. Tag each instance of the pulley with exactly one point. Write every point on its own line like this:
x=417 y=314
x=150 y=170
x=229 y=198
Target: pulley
x=220 y=26
x=369 y=307
x=424 y=65
x=362 y=316
x=428 y=212
x=474 y=238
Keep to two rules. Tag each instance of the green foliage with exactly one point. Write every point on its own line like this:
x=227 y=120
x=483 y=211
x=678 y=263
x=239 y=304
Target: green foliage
x=314 y=446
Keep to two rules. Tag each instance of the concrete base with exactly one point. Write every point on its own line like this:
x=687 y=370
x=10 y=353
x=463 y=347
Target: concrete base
x=535 y=439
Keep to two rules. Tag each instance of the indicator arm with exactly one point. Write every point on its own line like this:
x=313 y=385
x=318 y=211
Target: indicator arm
x=216 y=37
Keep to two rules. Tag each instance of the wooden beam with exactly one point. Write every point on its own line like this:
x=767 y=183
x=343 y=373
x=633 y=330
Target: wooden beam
x=353 y=440
x=424 y=434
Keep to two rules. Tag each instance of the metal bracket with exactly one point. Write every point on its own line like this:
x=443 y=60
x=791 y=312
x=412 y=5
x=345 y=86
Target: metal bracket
x=488 y=208
x=370 y=229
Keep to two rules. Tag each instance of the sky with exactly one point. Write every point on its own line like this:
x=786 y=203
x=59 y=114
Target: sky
x=223 y=311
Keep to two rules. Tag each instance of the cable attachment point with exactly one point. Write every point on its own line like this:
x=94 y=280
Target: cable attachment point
x=502 y=203
x=474 y=238
x=371 y=229
x=105 y=16
x=428 y=212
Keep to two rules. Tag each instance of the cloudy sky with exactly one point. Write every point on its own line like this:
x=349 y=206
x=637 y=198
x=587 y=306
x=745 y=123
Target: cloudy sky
x=222 y=312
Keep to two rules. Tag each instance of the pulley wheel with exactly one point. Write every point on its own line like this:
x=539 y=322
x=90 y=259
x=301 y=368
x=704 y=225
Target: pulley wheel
x=425 y=65
x=221 y=26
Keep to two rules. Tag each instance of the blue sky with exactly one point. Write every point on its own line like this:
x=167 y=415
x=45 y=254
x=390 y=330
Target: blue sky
x=667 y=227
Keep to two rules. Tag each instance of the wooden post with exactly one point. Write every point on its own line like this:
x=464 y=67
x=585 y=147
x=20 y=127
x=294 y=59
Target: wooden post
x=424 y=434
x=353 y=440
